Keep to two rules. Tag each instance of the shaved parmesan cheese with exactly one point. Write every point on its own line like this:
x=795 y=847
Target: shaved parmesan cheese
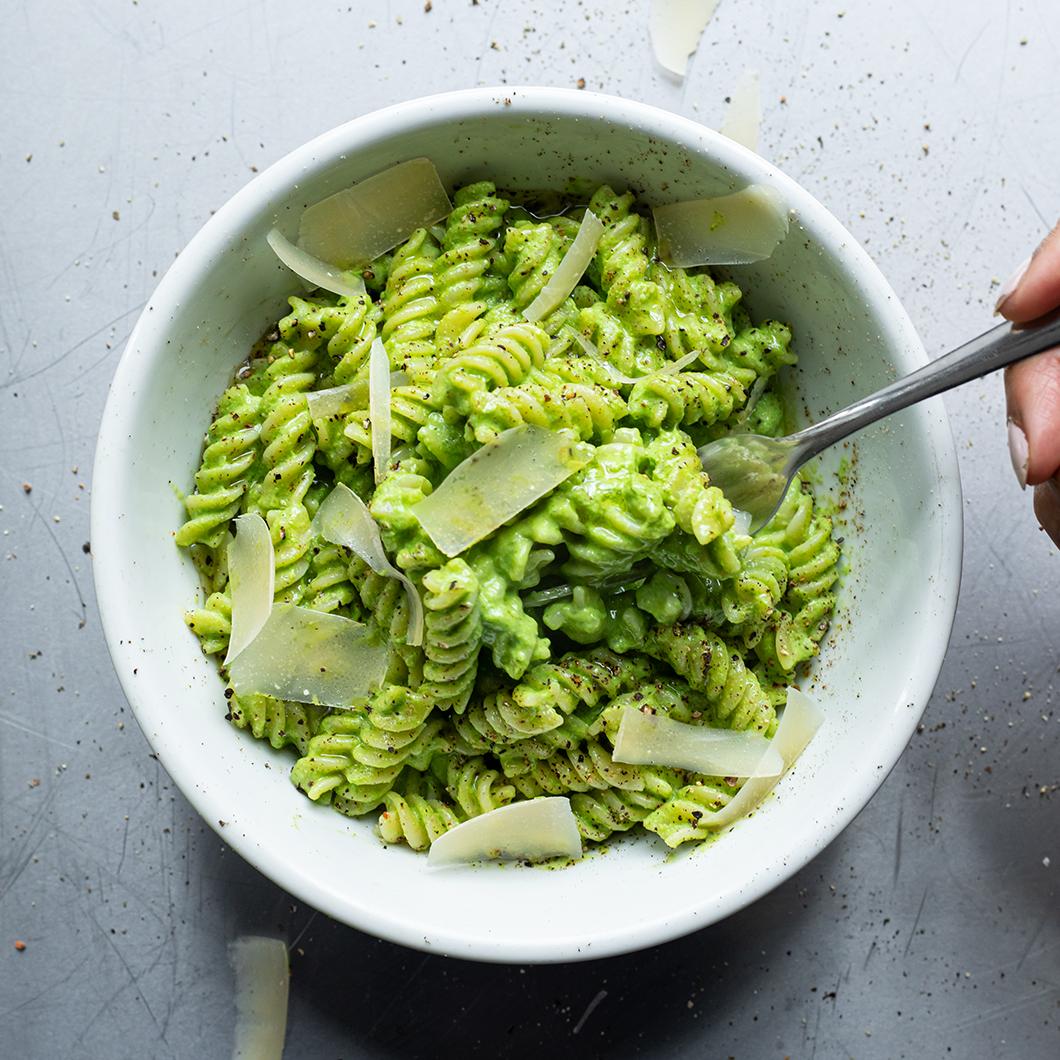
x=743 y=117
x=570 y=269
x=675 y=27
x=310 y=657
x=315 y=272
x=670 y=368
x=337 y=400
x=344 y=519
x=379 y=407
x=730 y=230
x=262 y=980
x=653 y=740
x=355 y=226
x=496 y=483
x=800 y=721
x=251 y=580
x=522 y=831
x=741 y=524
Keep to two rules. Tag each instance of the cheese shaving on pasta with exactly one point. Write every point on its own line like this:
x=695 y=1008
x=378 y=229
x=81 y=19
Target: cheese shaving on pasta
x=670 y=368
x=649 y=740
x=357 y=225
x=495 y=484
x=534 y=830
x=315 y=272
x=379 y=407
x=798 y=726
x=344 y=519
x=735 y=229
x=570 y=269
x=310 y=657
x=251 y=575
x=337 y=400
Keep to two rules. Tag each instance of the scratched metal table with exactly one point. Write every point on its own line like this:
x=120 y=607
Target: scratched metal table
x=930 y=926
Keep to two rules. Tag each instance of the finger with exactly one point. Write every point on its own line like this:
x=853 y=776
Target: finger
x=1047 y=508
x=1034 y=288
x=1032 y=392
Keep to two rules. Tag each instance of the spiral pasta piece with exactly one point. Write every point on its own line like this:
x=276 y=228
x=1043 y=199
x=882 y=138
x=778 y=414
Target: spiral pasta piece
x=392 y=506
x=414 y=819
x=495 y=720
x=684 y=399
x=752 y=594
x=623 y=258
x=805 y=538
x=757 y=352
x=346 y=327
x=710 y=666
x=292 y=539
x=474 y=785
x=669 y=698
x=619 y=512
x=534 y=251
x=586 y=767
x=282 y=723
x=684 y=815
x=579 y=680
x=412 y=409
x=287 y=432
x=212 y=623
x=328 y=587
x=699 y=508
x=600 y=814
x=360 y=755
x=410 y=307
x=452 y=634
x=617 y=344
x=591 y=412
x=698 y=314
x=228 y=465
x=503 y=359
x=468 y=247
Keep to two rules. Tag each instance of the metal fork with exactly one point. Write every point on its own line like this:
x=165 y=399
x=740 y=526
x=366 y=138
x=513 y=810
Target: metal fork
x=754 y=472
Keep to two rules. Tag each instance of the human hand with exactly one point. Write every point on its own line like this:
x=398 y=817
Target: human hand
x=1032 y=387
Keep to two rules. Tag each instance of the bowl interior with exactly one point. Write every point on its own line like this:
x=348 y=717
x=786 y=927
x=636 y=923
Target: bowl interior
x=901 y=521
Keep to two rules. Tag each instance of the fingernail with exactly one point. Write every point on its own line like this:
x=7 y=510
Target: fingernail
x=1010 y=285
x=1017 y=450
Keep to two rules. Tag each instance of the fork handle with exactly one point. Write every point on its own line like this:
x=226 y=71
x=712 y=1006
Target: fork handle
x=1001 y=346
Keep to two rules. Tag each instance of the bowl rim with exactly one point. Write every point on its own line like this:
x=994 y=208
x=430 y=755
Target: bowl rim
x=225 y=227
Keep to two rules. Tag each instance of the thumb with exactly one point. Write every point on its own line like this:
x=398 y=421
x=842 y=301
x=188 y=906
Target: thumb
x=1032 y=392
x=1034 y=288
x=1032 y=387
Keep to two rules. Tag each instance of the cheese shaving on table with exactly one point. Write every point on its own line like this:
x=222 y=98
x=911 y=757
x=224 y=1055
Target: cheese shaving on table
x=675 y=27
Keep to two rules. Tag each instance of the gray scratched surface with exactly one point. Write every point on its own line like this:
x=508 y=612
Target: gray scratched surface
x=929 y=928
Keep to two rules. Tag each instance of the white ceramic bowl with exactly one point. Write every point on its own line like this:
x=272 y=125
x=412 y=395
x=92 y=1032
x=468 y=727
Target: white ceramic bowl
x=903 y=537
